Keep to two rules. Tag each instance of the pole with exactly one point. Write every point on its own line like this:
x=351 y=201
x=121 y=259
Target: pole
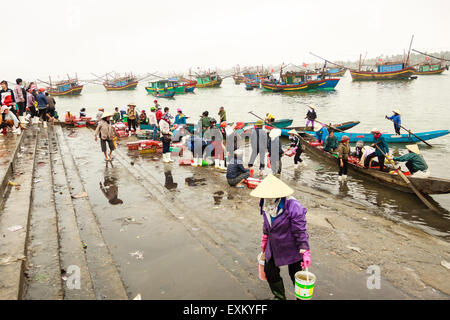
x=409 y=51
x=429 y=55
x=409 y=184
x=409 y=131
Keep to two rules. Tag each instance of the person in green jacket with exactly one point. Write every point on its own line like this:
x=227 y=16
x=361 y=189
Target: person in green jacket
x=331 y=142
x=205 y=121
x=414 y=160
x=222 y=114
x=116 y=116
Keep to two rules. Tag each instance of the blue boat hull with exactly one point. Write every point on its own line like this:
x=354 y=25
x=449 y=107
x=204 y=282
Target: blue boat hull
x=329 y=84
x=391 y=138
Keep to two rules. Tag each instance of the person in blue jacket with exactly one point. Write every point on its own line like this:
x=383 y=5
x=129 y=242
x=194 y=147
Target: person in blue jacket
x=322 y=134
x=381 y=143
x=396 y=118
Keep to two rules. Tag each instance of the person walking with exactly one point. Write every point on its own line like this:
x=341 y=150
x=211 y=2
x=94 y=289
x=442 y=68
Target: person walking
x=258 y=141
x=285 y=239
x=105 y=132
x=20 y=99
x=297 y=146
x=343 y=151
x=132 y=116
x=396 y=118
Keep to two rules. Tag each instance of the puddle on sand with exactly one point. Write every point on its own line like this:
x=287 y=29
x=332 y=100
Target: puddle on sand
x=192 y=182
x=218 y=196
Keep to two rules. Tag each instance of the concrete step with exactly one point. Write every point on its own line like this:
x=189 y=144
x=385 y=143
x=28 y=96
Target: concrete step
x=43 y=272
x=72 y=256
x=15 y=212
x=104 y=274
x=169 y=267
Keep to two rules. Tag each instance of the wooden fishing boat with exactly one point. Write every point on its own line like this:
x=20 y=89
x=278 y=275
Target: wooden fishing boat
x=306 y=86
x=117 y=83
x=385 y=71
x=430 y=68
x=165 y=86
x=68 y=87
x=280 y=124
x=251 y=84
x=390 y=179
x=340 y=126
x=391 y=138
x=209 y=80
x=238 y=79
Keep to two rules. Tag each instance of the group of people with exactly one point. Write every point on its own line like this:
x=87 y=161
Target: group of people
x=25 y=104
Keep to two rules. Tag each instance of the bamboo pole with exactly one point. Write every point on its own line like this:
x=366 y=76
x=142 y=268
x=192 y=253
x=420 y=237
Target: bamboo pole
x=409 y=184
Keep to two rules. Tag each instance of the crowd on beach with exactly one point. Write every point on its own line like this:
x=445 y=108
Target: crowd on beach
x=25 y=104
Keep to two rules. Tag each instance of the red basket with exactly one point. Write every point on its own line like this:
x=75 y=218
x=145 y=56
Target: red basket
x=185 y=162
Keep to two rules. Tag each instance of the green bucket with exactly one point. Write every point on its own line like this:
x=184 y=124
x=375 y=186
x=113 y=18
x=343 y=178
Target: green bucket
x=304 y=285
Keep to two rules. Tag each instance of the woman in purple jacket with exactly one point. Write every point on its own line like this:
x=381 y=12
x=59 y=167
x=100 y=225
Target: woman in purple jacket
x=284 y=240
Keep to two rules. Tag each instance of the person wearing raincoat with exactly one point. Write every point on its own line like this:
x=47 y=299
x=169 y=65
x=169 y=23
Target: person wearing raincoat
x=285 y=238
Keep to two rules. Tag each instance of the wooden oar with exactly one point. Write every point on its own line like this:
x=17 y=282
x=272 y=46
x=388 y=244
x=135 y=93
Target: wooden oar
x=410 y=132
x=329 y=126
x=257 y=116
x=409 y=184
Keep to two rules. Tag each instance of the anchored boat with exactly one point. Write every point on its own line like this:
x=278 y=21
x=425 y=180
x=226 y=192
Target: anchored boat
x=209 y=80
x=390 y=179
x=126 y=82
x=430 y=68
x=68 y=87
x=164 y=86
x=391 y=138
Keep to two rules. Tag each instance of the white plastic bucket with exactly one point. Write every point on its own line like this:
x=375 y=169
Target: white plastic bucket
x=261 y=273
x=304 y=284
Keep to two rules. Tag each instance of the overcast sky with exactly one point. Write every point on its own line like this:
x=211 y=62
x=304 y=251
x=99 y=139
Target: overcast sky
x=98 y=36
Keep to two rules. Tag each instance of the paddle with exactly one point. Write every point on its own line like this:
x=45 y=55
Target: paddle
x=410 y=132
x=329 y=126
x=409 y=184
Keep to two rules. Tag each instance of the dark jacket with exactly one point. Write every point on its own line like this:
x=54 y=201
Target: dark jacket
x=331 y=143
x=416 y=160
x=5 y=93
x=235 y=168
x=42 y=101
x=311 y=115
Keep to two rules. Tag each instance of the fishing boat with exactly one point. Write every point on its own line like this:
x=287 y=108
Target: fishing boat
x=429 y=68
x=280 y=124
x=391 y=179
x=385 y=71
x=391 y=138
x=251 y=84
x=69 y=87
x=166 y=86
x=271 y=86
x=209 y=80
x=340 y=126
x=126 y=82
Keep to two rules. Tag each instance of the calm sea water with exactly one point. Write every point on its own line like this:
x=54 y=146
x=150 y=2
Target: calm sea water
x=423 y=102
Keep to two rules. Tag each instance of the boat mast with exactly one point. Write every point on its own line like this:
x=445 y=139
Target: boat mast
x=409 y=51
x=359 y=66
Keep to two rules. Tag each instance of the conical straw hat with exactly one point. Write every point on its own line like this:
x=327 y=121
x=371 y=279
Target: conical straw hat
x=293 y=131
x=272 y=188
x=413 y=148
x=396 y=111
x=107 y=114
